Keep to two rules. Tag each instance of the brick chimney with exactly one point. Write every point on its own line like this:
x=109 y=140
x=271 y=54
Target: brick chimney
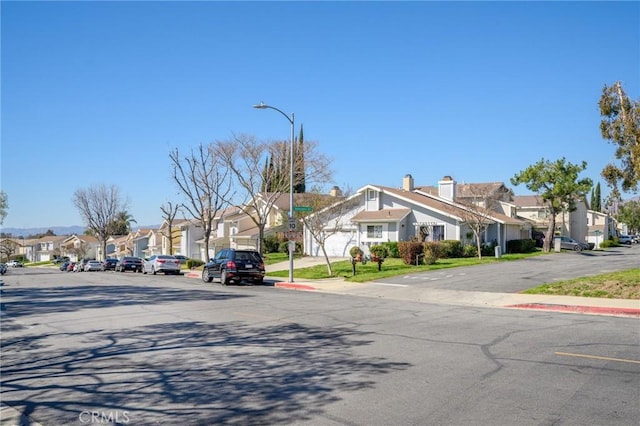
x=447 y=188
x=407 y=183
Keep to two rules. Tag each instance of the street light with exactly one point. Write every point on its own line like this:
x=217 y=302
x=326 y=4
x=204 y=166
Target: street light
x=262 y=105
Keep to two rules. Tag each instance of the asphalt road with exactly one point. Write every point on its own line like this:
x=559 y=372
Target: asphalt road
x=516 y=276
x=94 y=348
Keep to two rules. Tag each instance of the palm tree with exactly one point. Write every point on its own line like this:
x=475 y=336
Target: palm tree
x=121 y=225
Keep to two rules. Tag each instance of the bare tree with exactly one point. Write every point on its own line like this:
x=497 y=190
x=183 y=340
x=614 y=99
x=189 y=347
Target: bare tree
x=204 y=179
x=4 y=205
x=245 y=157
x=98 y=206
x=169 y=212
x=8 y=247
x=327 y=217
x=479 y=206
x=80 y=250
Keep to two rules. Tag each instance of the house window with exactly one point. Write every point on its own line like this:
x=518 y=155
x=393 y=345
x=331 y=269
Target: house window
x=372 y=195
x=438 y=233
x=431 y=232
x=374 y=231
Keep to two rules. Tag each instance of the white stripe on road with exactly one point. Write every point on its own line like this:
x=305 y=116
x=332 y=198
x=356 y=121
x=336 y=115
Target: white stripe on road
x=391 y=285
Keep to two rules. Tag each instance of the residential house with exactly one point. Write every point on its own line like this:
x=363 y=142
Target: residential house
x=140 y=242
x=119 y=246
x=571 y=224
x=154 y=243
x=171 y=234
x=601 y=226
x=46 y=247
x=79 y=247
x=382 y=214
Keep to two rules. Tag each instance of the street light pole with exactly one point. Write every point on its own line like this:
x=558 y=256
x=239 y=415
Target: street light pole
x=262 y=105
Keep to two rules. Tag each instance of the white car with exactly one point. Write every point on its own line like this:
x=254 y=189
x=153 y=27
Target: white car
x=161 y=263
x=93 y=265
x=15 y=264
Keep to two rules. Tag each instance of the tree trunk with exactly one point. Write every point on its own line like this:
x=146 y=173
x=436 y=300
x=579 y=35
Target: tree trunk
x=326 y=258
x=548 y=237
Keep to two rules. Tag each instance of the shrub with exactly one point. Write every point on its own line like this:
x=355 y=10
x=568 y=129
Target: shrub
x=392 y=249
x=355 y=251
x=270 y=244
x=434 y=248
x=450 y=249
x=194 y=263
x=409 y=251
x=521 y=246
x=379 y=251
x=488 y=249
x=607 y=243
x=283 y=247
x=470 y=251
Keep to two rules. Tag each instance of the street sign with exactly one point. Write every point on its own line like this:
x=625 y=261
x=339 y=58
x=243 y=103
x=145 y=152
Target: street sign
x=302 y=209
x=294 y=236
x=292 y=224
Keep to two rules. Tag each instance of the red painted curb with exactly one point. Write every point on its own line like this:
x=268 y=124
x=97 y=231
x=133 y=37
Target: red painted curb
x=294 y=286
x=633 y=312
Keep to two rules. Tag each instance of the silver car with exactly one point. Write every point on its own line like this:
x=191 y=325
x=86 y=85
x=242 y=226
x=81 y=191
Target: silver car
x=161 y=263
x=93 y=265
x=567 y=243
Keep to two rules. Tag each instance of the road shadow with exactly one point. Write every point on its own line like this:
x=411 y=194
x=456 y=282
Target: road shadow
x=23 y=301
x=191 y=373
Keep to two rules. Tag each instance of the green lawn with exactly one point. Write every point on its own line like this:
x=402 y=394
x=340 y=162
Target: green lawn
x=390 y=268
x=619 y=285
x=614 y=285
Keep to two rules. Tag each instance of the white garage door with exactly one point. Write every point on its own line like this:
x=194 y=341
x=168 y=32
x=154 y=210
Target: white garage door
x=337 y=245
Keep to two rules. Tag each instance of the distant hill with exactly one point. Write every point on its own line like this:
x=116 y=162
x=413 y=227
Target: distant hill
x=58 y=230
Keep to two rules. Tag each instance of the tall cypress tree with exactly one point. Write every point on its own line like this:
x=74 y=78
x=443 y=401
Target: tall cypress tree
x=265 y=176
x=299 y=185
x=597 y=205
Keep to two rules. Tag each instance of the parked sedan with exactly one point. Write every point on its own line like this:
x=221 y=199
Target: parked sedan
x=93 y=265
x=232 y=265
x=182 y=258
x=129 y=263
x=15 y=264
x=161 y=263
x=567 y=243
x=109 y=264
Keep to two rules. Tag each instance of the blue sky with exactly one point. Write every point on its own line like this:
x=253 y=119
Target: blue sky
x=101 y=92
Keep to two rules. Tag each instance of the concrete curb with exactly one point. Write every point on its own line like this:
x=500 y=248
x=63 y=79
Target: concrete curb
x=597 y=310
x=294 y=286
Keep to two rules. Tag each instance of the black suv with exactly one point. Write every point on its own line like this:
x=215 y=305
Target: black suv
x=109 y=264
x=234 y=265
x=129 y=263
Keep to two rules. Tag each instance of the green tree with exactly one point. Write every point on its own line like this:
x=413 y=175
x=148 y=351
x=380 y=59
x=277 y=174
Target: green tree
x=299 y=168
x=630 y=215
x=558 y=184
x=121 y=224
x=596 y=199
x=620 y=125
x=4 y=205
